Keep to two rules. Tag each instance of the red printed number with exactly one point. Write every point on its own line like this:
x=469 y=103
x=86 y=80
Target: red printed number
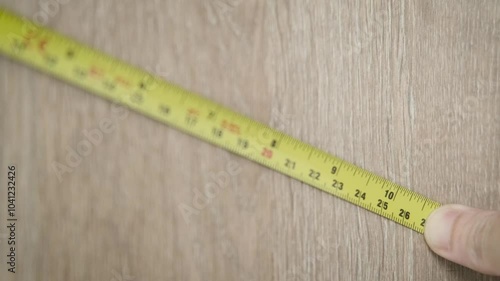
x=231 y=127
x=94 y=71
x=267 y=153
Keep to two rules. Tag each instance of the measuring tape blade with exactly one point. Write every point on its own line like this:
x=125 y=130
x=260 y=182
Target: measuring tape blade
x=141 y=91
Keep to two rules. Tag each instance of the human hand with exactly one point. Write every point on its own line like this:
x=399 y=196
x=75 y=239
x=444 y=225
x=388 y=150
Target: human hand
x=467 y=236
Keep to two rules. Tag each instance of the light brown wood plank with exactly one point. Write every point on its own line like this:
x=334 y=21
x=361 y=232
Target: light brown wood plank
x=408 y=90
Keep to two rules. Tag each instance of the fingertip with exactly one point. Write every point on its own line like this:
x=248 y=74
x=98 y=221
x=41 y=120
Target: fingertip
x=439 y=227
x=467 y=236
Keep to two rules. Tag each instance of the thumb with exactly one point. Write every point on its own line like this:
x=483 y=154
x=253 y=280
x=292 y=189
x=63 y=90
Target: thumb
x=467 y=236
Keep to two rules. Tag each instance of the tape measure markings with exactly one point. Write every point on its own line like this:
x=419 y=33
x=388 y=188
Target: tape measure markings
x=114 y=80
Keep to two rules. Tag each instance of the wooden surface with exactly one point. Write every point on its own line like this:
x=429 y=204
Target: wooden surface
x=408 y=90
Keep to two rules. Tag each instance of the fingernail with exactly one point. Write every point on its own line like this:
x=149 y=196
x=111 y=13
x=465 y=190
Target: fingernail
x=439 y=226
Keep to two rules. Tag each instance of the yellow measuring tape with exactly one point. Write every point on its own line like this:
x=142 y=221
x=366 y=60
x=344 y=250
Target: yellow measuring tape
x=120 y=82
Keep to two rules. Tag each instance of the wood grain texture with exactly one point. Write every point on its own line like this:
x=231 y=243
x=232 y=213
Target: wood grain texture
x=406 y=89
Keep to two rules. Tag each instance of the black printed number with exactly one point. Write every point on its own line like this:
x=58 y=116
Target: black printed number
x=389 y=194
x=243 y=143
x=404 y=214
x=422 y=223
x=360 y=194
x=217 y=132
x=290 y=164
x=313 y=174
x=382 y=204
x=338 y=184
x=334 y=170
x=191 y=120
